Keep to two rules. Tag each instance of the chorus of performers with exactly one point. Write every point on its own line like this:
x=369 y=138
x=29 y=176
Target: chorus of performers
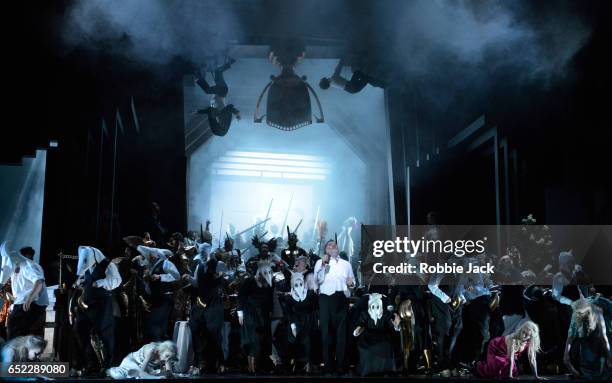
x=177 y=305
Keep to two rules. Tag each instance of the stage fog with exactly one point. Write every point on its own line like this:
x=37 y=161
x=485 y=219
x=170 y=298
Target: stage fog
x=336 y=169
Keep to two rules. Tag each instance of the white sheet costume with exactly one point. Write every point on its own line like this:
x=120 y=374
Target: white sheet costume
x=98 y=276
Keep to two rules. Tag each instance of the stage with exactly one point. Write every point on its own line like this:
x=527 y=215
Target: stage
x=346 y=378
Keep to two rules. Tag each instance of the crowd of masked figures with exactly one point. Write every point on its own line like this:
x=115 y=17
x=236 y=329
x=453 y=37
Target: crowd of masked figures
x=181 y=306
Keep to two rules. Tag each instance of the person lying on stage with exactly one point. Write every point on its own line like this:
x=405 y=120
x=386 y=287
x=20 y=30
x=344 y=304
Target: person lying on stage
x=153 y=360
x=23 y=349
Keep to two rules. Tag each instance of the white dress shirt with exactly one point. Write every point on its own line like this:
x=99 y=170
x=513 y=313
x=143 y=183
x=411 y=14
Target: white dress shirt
x=22 y=283
x=332 y=279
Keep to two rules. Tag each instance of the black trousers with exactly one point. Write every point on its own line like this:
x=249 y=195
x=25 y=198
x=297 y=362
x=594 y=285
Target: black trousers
x=157 y=321
x=475 y=334
x=359 y=80
x=206 y=326
x=98 y=319
x=220 y=88
x=333 y=311
x=21 y=323
x=445 y=329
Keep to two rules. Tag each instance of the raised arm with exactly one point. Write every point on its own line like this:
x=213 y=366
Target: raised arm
x=433 y=284
x=558 y=283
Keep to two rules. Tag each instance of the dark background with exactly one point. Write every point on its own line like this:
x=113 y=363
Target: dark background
x=559 y=134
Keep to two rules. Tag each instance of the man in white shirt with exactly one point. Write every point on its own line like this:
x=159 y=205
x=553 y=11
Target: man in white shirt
x=334 y=277
x=161 y=275
x=28 y=288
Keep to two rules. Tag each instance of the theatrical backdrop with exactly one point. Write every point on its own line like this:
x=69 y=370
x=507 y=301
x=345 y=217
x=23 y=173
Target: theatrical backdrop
x=218 y=189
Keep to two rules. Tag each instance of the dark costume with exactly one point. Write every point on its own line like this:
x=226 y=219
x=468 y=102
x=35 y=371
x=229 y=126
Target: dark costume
x=206 y=320
x=357 y=82
x=94 y=323
x=219 y=120
x=255 y=302
x=590 y=348
x=419 y=344
x=220 y=116
x=476 y=316
x=162 y=292
x=374 y=343
x=266 y=250
x=293 y=251
x=162 y=304
x=447 y=318
x=301 y=312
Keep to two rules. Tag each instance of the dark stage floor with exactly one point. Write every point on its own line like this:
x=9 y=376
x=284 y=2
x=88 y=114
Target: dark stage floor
x=288 y=378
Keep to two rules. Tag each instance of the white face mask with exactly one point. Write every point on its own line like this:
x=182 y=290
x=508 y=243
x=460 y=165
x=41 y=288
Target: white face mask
x=298 y=287
x=375 y=307
x=264 y=273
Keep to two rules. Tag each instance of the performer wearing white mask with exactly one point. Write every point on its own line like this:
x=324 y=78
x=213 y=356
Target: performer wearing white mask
x=374 y=331
x=301 y=307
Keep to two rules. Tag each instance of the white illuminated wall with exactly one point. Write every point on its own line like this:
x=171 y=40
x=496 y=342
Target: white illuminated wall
x=21 y=202
x=337 y=167
x=238 y=175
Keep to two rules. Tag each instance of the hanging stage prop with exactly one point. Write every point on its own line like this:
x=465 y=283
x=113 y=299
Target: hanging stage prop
x=288 y=105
